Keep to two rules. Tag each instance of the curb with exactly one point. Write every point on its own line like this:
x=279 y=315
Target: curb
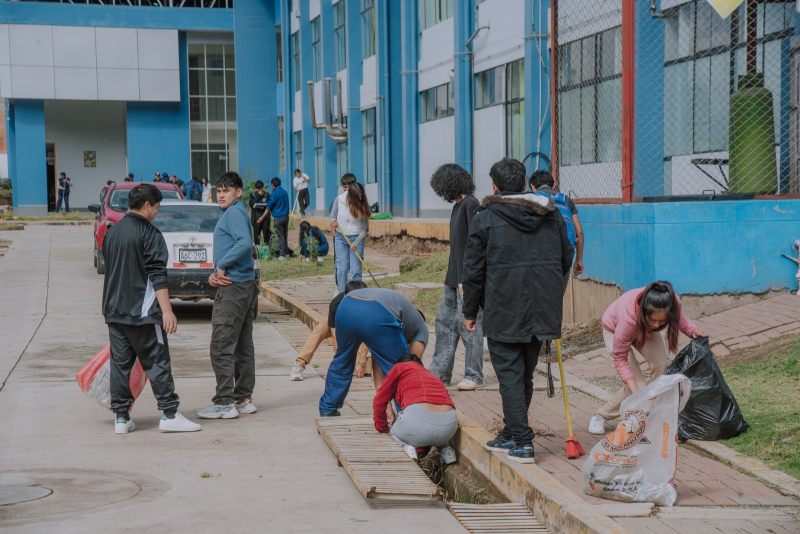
x=9 y=227
x=303 y=311
x=55 y=223
x=557 y=507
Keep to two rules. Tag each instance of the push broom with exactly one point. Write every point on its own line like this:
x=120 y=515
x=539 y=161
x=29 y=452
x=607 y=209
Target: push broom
x=292 y=214
x=574 y=449
x=357 y=256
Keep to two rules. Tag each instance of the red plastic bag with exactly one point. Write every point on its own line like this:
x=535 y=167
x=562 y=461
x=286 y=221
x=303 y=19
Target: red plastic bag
x=95 y=378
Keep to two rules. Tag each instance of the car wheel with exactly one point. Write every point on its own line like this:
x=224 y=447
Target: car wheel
x=95 y=255
x=101 y=265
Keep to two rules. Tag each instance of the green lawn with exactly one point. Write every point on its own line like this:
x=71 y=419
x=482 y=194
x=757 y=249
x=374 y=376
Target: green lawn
x=768 y=392
x=289 y=268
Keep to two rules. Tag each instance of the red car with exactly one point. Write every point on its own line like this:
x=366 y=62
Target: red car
x=112 y=208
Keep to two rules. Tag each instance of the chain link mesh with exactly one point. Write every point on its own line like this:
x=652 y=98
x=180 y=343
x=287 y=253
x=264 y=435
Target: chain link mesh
x=715 y=99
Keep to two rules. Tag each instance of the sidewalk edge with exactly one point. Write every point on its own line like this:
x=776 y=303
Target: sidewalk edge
x=554 y=504
x=302 y=311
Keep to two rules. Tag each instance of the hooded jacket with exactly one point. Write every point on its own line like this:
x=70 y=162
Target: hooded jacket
x=517 y=254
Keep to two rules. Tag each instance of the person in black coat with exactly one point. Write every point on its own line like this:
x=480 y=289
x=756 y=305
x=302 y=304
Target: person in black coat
x=258 y=203
x=517 y=253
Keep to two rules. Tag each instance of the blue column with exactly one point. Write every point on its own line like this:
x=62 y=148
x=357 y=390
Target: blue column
x=307 y=68
x=158 y=132
x=288 y=90
x=394 y=111
x=648 y=153
x=464 y=19
x=256 y=87
x=28 y=165
x=410 y=40
x=538 y=131
x=331 y=180
x=384 y=134
x=355 y=127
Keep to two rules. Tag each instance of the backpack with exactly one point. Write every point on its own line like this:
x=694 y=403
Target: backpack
x=196 y=192
x=561 y=203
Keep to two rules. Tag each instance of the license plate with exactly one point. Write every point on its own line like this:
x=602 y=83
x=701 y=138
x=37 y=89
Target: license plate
x=193 y=255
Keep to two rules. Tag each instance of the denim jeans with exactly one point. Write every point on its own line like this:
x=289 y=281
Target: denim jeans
x=420 y=427
x=346 y=260
x=449 y=328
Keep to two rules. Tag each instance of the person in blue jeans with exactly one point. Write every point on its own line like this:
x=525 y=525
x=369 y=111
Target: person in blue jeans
x=351 y=213
x=278 y=207
x=306 y=231
x=388 y=324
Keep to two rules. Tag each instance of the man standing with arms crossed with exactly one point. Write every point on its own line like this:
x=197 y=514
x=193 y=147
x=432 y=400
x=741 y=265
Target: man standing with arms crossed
x=235 y=305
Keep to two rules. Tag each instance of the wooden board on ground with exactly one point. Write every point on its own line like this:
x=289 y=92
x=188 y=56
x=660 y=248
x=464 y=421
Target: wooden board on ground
x=496 y=518
x=375 y=462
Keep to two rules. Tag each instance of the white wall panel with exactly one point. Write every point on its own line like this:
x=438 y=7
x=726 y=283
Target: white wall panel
x=436 y=147
x=159 y=85
x=5 y=81
x=368 y=90
x=158 y=49
x=31 y=45
x=577 y=20
x=436 y=55
x=342 y=75
x=297 y=116
x=313 y=9
x=117 y=48
x=118 y=84
x=490 y=146
x=5 y=53
x=74 y=46
x=585 y=181
x=294 y=21
x=319 y=101
x=32 y=82
x=503 y=41
x=74 y=83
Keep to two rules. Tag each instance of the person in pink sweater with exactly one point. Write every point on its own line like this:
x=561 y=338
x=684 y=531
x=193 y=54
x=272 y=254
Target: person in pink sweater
x=633 y=324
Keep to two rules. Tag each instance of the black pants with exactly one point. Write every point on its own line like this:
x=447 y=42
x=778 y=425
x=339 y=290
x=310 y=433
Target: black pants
x=232 y=351
x=63 y=198
x=261 y=229
x=149 y=344
x=282 y=229
x=514 y=364
x=303 y=200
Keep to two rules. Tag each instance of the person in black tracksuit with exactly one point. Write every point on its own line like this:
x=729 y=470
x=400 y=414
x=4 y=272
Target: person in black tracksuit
x=137 y=311
x=258 y=204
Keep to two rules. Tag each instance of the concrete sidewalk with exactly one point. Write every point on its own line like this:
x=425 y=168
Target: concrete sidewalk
x=269 y=472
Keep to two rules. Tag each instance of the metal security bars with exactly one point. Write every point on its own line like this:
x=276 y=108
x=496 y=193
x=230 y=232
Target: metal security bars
x=711 y=106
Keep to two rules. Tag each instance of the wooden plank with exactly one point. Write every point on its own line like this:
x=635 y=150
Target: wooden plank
x=496 y=518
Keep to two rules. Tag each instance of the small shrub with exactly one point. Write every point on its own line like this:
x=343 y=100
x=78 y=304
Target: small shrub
x=5 y=183
x=312 y=246
x=273 y=243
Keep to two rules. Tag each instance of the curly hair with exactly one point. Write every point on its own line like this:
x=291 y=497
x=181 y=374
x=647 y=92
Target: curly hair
x=451 y=181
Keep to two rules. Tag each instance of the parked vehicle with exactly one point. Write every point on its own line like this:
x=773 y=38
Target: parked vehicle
x=113 y=206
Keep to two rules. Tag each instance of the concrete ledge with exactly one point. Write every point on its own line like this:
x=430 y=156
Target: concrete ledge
x=4 y=227
x=410 y=291
x=302 y=311
x=55 y=222
x=555 y=505
x=436 y=229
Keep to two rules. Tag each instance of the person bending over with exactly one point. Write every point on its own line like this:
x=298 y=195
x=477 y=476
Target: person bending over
x=138 y=312
x=388 y=324
x=306 y=231
x=327 y=329
x=427 y=417
x=633 y=324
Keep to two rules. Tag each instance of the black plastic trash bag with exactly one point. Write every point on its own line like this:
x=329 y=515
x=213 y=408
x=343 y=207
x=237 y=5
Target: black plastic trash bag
x=712 y=412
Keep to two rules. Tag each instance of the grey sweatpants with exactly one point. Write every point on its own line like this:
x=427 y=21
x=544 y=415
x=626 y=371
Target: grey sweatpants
x=449 y=329
x=232 y=351
x=420 y=427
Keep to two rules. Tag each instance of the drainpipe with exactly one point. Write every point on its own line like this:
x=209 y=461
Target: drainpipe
x=472 y=92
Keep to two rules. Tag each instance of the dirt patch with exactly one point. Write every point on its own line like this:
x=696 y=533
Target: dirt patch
x=494 y=428
x=581 y=338
x=765 y=351
x=406 y=244
x=459 y=481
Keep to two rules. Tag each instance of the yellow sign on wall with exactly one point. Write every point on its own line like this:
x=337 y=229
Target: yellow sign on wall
x=725 y=7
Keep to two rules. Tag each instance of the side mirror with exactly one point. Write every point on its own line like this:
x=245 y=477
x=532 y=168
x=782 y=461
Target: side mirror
x=94 y=208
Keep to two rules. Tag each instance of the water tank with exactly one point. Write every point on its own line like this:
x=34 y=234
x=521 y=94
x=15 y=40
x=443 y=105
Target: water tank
x=753 y=167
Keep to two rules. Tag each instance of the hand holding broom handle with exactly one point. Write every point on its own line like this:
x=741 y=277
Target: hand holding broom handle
x=357 y=256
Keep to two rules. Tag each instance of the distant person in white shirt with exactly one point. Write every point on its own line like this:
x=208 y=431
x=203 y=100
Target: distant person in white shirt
x=301 y=182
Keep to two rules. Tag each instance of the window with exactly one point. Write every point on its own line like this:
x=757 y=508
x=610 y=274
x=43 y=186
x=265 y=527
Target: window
x=367 y=28
x=342 y=158
x=432 y=12
x=590 y=99
x=281 y=145
x=515 y=110
x=316 y=48
x=296 y=64
x=279 y=51
x=369 y=144
x=340 y=35
x=436 y=103
x=489 y=88
x=212 y=110
x=319 y=157
x=298 y=150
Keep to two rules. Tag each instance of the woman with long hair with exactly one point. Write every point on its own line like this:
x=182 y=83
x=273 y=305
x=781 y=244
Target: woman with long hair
x=632 y=325
x=206 y=189
x=307 y=231
x=351 y=213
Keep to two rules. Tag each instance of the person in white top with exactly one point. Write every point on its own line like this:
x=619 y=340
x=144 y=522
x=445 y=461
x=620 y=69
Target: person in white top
x=206 y=189
x=300 y=183
x=351 y=213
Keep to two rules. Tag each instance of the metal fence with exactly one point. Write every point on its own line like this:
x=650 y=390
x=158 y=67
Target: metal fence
x=667 y=98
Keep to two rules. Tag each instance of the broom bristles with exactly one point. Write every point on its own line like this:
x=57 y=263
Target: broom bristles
x=574 y=449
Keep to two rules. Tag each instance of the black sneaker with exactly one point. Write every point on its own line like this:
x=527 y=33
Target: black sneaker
x=334 y=413
x=523 y=454
x=501 y=443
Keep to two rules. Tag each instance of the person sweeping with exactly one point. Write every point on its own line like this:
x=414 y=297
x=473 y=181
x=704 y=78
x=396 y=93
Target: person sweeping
x=633 y=325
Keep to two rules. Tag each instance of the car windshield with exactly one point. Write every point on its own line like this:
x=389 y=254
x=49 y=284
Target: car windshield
x=119 y=198
x=187 y=218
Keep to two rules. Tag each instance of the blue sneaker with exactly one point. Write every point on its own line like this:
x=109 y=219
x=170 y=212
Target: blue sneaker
x=501 y=444
x=523 y=454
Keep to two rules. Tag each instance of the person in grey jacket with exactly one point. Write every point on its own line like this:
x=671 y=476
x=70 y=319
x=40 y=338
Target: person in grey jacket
x=235 y=305
x=517 y=254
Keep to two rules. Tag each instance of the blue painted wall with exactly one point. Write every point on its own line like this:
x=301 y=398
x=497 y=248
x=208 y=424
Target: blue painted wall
x=394 y=112
x=355 y=71
x=28 y=164
x=331 y=178
x=256 y=87
x=537 y=84
x=410 y=98
x=158 y=132
x=383 y=160
x=288 y=91
x=307 y=68
x=701 y=247
x=464 y=26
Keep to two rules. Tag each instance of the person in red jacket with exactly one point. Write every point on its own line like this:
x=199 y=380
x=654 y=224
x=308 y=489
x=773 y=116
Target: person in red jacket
x=428 y=415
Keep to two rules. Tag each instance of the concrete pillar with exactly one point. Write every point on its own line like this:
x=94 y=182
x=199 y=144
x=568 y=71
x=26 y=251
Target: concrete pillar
x=355 y=127
x=464 y=26
x=538 y=104
x=28 y=165
x=410 y=38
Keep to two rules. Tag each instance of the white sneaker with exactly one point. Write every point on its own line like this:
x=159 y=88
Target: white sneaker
x=597 y=425
x=448 y=455
x=218 y=411
x=178 y=424
x=246 y=406
x=297 y=372
x=305 y=259
x=468 y=385
x=321 y=259
x=281 y=258
x=121 y=426
x=411 y=451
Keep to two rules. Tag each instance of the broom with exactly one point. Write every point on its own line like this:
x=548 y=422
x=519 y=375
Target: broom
x=292 y=214
x=357 y=256
x=574 y=449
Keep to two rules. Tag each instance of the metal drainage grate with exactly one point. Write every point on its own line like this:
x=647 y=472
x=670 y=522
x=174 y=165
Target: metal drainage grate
x=496 y=518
